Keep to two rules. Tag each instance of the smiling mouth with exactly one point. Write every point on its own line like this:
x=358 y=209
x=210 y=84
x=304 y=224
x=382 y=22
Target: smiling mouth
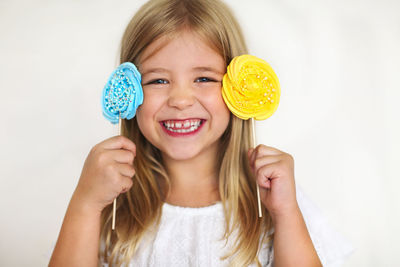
x=182 y=127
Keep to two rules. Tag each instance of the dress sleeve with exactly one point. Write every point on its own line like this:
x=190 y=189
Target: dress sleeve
x=332 y=248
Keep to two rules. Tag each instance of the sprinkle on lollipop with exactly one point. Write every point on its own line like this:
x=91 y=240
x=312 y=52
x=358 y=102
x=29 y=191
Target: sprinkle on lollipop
x=251 y=89
x=122 y=95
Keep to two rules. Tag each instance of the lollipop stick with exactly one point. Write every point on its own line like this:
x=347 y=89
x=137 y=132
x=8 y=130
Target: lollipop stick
x=115 y=199
x=114 y=210
x=258 y=188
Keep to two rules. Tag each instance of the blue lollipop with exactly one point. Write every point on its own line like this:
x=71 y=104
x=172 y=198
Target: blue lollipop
x=122 y=95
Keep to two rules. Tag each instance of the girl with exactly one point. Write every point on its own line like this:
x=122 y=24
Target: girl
x=183 y=169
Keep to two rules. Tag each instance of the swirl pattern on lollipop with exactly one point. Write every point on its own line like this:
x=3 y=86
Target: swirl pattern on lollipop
x=122 y=94
x=250 y=88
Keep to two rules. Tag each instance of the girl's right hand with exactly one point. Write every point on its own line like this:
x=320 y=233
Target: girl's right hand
x=107 y=172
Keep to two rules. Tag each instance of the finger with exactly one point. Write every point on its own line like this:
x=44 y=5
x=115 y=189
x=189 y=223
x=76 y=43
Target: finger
x=267 y=173
x=266 y=160
x=126 y=170
x=121 y=156
x=118 y=142
x=263 y=150
x=126 y=184
x=250 y=151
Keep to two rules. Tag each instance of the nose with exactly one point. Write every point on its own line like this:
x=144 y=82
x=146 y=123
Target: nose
x=181 y=96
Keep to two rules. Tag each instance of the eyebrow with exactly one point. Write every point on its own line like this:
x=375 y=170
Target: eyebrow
x=162 y=70
x=210 y=69
x=155 y=70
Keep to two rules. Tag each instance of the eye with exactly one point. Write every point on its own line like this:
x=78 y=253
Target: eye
x=204 y=79
x=158 y=81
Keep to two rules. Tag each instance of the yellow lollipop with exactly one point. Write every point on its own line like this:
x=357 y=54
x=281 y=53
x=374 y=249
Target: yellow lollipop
x=251 y=88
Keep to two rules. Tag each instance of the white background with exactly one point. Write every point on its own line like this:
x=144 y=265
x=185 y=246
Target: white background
x=338 y=64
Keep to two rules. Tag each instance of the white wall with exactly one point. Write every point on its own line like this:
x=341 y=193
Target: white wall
x=337 y=62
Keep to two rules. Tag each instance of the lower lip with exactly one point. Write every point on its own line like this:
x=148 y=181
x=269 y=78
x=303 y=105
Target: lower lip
x=176 y=134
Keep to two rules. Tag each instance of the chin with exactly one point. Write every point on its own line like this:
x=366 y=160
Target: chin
x=185 y=154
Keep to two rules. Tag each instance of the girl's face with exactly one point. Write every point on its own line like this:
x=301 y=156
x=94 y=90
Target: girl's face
x=183 y=113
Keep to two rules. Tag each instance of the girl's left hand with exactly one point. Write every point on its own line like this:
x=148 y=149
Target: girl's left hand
x=274 y=171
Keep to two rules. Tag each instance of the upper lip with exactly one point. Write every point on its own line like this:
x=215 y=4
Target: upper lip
x=177 y=119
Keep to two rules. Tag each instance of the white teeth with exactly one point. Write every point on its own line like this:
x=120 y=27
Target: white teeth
x=192 y=124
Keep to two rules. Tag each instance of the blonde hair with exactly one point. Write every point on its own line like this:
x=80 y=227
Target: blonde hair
x=140 y=208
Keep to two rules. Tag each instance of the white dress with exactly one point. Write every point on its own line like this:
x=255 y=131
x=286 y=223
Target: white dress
x=190 y=237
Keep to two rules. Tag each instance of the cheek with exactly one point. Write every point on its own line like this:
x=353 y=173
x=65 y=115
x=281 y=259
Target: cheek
x=218 y=109
x=141 y=118
x=146 y=112
x=218 y=105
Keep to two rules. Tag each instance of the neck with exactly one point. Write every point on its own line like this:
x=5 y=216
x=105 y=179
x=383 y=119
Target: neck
x=194 y=182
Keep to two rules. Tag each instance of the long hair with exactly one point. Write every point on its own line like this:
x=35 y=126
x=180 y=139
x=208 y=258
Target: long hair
x=140 y=208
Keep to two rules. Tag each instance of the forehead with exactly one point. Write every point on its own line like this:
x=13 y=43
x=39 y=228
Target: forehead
x=183 y=48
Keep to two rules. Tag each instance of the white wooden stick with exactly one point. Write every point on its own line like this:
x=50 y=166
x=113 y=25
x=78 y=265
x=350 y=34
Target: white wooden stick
x=258 y=188
x=115 y=199
x=114 y=211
